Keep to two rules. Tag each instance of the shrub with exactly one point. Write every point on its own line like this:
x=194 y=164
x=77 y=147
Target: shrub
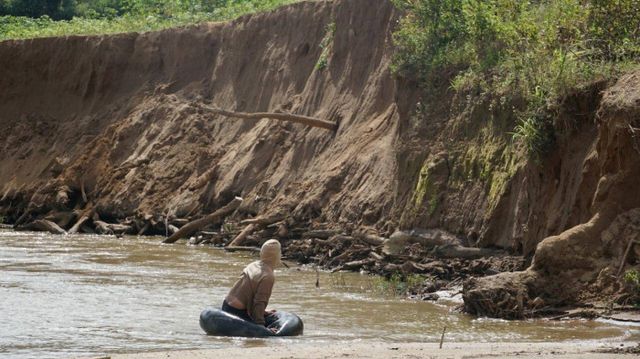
x=531 y=51
x=632 y=281
x=326 y=45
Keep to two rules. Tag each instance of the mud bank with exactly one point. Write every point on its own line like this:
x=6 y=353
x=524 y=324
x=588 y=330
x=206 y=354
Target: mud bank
x=113 y=134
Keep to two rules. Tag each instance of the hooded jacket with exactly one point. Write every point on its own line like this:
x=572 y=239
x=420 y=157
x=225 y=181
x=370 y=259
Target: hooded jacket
x=253 y=290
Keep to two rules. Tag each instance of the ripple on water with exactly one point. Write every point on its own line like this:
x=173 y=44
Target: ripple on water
x=83 y=295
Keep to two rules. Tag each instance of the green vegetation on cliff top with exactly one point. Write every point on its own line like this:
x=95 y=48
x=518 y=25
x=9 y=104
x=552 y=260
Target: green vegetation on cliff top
x=21 y=19
x=527 y=52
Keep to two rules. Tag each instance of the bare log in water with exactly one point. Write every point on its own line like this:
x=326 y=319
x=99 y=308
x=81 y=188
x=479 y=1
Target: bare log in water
x=42 y=225
x=86 y=214
x=198 y=224
x=112 y=228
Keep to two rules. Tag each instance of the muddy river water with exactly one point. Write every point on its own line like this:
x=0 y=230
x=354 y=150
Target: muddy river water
x=75 y=296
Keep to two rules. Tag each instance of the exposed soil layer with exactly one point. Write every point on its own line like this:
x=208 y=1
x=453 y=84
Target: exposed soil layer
x=584 y=262
x=114 y=134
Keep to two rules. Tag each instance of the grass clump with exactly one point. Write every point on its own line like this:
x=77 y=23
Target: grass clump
x=326 y=45
x=632 y=282
x=117 y=16
x=529 y=52
x=397 y=284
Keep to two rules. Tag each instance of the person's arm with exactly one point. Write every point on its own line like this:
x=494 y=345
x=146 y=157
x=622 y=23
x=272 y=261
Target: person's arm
x=261 y=299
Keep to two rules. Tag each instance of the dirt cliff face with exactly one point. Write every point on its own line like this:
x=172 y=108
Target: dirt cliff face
x=117 y=121
x=119 y=115
x=584 y=262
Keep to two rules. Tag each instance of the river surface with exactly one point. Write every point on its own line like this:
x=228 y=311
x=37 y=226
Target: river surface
x=75 y=296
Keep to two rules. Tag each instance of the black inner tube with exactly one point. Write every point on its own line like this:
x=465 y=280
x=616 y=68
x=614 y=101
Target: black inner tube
x=217 y=322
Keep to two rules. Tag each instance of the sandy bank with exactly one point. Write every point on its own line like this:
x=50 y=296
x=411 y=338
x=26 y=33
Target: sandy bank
x=405 y=350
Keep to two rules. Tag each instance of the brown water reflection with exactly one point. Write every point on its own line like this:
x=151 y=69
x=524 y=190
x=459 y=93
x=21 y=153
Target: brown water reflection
x=86 y=295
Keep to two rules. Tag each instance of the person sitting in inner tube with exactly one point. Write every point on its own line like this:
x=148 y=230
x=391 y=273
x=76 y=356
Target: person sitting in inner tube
x=249 y=296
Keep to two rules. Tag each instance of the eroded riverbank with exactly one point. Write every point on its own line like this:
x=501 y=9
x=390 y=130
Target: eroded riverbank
x=90 y=295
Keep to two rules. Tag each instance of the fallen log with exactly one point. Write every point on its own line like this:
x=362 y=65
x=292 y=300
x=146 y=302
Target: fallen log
x=264 y=220
x=112 y=228
x=240 y=238
x=86 y=214
x=428 y=238
x=194 y=241
x=355 y=265
x=144 y=228
x=349 y=254
x=83 y=193
x=254 y=224
x=179 y=222
x=577 y=313
x=376 y=256
x=369 y=238
x=198 y=224
x=320 y=233
x=42 y=225
x=62 y=219
x=325 y=242
x=455 y=251
x=305 y=120
x=172 y=229
x=407 y=267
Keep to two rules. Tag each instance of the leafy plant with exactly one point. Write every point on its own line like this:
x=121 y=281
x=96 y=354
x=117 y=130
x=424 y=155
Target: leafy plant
x=529 y=53
x=326 y=45
x=632 y=280
x=537 y=134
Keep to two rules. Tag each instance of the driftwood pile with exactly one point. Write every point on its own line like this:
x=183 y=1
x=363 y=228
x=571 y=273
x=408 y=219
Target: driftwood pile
x=435 y=254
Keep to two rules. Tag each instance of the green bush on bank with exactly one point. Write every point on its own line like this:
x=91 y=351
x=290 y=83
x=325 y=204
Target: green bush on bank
x=632 y=281
x=530 y=50
x=115 y=16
